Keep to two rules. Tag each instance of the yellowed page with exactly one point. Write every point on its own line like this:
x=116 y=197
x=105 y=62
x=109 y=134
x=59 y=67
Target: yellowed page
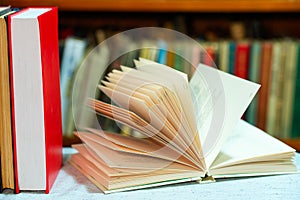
x=140 y=107
x=177 y=82
x=132 y=120
x=136 y=146
x=183 y=132
x=117 y=159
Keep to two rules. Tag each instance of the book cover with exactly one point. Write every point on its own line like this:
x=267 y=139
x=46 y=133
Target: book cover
x=35 y=94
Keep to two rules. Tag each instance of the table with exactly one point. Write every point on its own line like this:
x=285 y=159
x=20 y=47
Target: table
x=71 y=185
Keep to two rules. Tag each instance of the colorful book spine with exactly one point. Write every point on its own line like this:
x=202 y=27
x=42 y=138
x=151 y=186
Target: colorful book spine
x=232 y=50
x=224 y=56
x=266 y=59
x=72 y=56
x=178 y=61
x=242 y=60
x=289 y=89
x=254 y=75
x=295 y=133
x=273 y=91
x=162 y=52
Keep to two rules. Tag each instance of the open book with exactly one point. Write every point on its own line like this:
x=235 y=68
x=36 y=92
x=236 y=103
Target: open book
x=192 y=131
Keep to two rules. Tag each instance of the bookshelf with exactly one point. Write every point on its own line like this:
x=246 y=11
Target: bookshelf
x=277 y=17
x=169 y=5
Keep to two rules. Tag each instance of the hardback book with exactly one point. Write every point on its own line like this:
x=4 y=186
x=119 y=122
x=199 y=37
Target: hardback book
x=35 y=97
x=192 y=130
x=6 y=147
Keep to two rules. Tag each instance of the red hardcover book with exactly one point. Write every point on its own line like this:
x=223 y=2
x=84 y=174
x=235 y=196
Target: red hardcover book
x=35 y=94
x=242 y=60
x=265 y=69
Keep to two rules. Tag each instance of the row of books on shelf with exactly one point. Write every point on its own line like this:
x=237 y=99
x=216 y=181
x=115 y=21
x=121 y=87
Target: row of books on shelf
x=30 y=108
x=274 y=64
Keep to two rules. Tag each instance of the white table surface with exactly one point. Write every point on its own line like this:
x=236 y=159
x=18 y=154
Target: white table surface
x=71 y=185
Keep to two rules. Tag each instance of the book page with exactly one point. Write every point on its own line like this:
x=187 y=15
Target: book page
x=248 y=143
x=132 y=145
x=125 y=160
x=229 y=96
x=156 y=100
x=177 y=81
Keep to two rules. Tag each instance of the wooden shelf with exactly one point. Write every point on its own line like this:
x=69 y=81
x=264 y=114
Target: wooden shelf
x=166 y=5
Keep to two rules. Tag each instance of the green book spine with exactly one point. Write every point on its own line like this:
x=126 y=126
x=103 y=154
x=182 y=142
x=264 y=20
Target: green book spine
x=178 y=62
x=296 y=113
x=254 y=75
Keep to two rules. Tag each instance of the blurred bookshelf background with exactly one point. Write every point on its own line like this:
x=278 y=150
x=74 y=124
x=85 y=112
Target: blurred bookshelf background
x=253 y=39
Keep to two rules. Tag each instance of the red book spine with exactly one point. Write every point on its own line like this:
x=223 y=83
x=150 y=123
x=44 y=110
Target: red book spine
x=209 y=56
x=51 y=92
x=242 y=60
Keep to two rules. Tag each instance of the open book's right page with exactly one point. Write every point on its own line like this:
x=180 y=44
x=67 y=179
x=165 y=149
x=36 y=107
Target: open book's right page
x=219 y=100
x=249 y=151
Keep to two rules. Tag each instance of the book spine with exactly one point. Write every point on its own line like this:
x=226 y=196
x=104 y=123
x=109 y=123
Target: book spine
x=280 y=86
x=187 y=56
x=242 y=60
x=162 y=52
x=209 y=56
x=73 y=53
x=288 y=90
x=224 y=56
x=178 y=61
x=295 y=133
x=170 y=57
x=254 y=75
x=265 y=68
x=273 y=89
x=232 y=50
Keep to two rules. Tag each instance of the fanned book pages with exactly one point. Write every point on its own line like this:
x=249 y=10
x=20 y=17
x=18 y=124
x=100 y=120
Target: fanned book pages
x=191 y=130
